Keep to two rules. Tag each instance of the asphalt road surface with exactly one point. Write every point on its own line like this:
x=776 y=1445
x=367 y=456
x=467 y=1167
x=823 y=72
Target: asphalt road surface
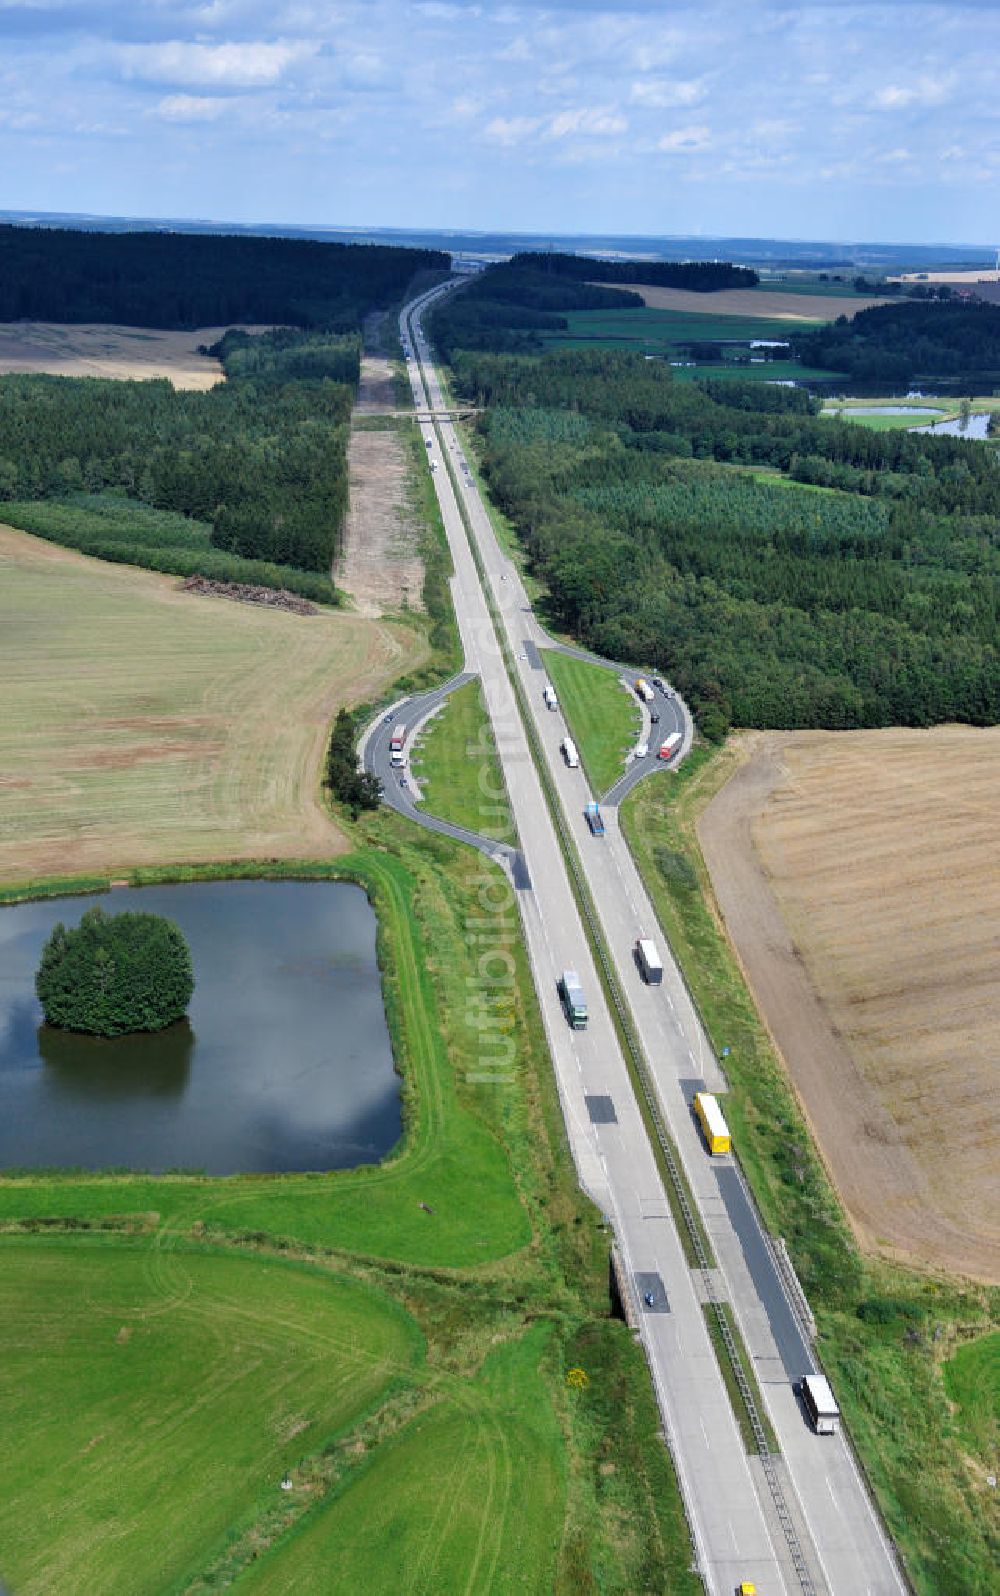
x=821 y=1534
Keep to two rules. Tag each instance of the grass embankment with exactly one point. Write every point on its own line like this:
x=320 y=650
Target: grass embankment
x=882 y=1330
x=603 y=719
x=458 y=768
x=110 y=527
x=482 y=1233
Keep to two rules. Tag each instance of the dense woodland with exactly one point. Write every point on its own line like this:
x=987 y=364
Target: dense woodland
x=873 y=600
x=246 y=482
x=896 y=344
x=198 y=280
x=700 y=276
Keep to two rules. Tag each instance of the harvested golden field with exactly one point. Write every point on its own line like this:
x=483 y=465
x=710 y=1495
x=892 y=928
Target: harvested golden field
x=858 y=877
x=783 y=306
x=146 y=725
x=94 y=350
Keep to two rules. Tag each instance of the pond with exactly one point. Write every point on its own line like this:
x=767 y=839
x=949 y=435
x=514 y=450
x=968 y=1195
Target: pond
x=284 y=1061
x=976 y=426
x=845 y=412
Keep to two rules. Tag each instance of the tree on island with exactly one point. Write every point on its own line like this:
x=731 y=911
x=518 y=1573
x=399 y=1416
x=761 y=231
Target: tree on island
x=114 y=974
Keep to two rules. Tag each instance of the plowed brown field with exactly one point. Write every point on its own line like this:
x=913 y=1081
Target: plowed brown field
x=750 y=302
x=858 y=876
x=98 y=350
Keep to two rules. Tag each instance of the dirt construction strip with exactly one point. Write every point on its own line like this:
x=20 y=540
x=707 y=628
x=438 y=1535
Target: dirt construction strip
x=856 y=875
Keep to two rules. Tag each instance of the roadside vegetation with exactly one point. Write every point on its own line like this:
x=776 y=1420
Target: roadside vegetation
x=603 y=719
x=884 y=1332
x=456 y=763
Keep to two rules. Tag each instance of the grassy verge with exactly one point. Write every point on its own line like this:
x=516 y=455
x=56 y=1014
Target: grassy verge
x=458 y=768
x=603 y=719
x=883 y=1331
x=632 y=1477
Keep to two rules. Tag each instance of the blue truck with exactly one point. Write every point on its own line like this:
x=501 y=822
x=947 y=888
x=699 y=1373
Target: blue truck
x=594 y=820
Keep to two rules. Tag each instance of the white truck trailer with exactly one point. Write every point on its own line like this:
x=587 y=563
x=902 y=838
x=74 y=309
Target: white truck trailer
x=649 y=962
x=820 y=1404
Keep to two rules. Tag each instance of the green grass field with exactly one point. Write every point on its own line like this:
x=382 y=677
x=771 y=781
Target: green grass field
x=468 y=1497
x=458 y=769
x=151 y=1396
x=658 y=330
x=876 y=1321
x=603 y=718
x=768 y=371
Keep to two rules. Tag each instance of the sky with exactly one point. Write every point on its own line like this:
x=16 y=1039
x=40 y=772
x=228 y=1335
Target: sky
x=826 y=120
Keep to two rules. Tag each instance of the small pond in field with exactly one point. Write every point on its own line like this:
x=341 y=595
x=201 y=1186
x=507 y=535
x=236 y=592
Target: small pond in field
x=845 y=412
x=284 y=1061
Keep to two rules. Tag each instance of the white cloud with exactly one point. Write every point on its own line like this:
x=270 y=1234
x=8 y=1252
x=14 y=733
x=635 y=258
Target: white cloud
x=591 y=121
x=925 y=91
x=686 y=141
x=189 y=108
x=235 y=66
x=663 y=93
x=510 y=130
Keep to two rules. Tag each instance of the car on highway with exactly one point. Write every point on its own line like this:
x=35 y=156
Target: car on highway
x=654 y=719
x=641 y=750
x=746 y=1587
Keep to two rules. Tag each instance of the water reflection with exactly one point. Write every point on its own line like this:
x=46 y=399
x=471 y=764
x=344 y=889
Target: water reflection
x=286 y=1063
x=91 y=1067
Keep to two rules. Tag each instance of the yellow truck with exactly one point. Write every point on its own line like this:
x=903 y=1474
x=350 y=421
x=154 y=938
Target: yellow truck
x=713 y=1125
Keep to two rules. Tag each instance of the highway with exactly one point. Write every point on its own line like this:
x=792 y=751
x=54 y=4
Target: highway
x=801 y=1522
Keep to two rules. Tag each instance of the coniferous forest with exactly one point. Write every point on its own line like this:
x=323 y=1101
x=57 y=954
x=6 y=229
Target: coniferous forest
x=783 y=569
x=198 y=279
x=245 y=482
